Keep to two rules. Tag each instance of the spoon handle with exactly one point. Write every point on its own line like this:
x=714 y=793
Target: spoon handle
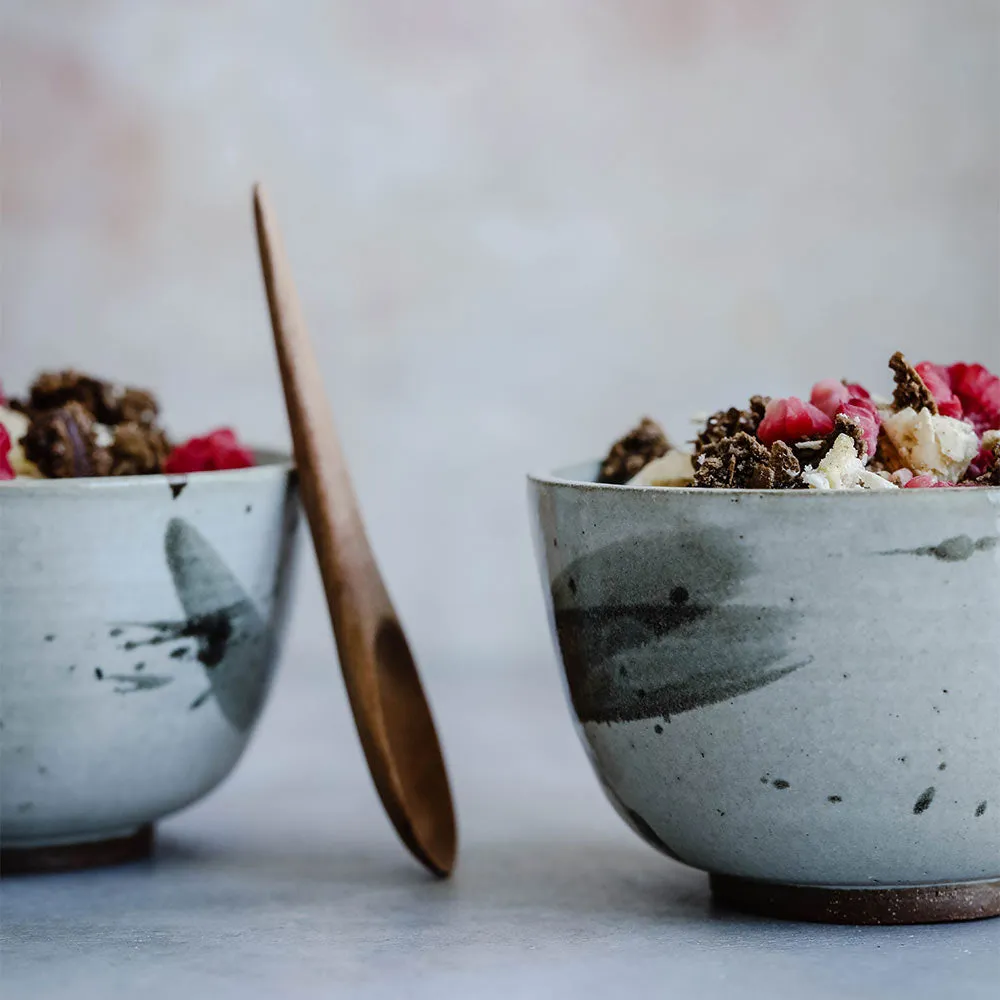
x=314 y=436
x=393 y=719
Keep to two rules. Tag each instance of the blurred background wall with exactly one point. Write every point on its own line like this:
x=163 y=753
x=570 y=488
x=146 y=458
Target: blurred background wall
x=516 y=227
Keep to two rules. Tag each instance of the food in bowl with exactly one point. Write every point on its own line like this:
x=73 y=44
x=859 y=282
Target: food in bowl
x=941 y=428
x=71 y=425
x=793 y=683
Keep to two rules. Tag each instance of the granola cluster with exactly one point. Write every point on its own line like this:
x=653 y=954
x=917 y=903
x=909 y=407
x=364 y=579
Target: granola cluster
x=81 y=426
x=633 y=452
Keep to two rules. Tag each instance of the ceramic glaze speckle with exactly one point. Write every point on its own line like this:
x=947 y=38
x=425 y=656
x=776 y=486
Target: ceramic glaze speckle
x=139 y=627
x=788 y=687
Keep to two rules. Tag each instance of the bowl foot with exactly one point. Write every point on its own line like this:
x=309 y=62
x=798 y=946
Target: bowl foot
x=73 y=857
x=922 y=904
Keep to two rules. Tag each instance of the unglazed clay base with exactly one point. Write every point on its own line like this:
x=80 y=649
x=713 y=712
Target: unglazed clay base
x=922 y=904
x=73 y=857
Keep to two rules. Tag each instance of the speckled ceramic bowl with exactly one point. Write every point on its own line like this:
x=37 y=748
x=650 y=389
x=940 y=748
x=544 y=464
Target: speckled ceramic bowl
x=797 y=692
x=139 y=627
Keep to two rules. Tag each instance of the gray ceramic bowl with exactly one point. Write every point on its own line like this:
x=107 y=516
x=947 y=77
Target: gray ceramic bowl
x=139 y=628
x=797 y=692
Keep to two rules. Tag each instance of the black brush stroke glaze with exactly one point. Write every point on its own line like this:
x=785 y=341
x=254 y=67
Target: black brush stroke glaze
x=129 y=683
x=212 y=633
x=176 y=489
x=956 y=549
x=232 y=641
x=647 y=627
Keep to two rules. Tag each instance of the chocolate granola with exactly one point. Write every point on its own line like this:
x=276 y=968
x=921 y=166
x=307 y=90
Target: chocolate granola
x=137 y=449
x=742 y=462
x=85 y=426
x=727 y=423
x=886 y=457
x=911 y=390
x=105 y=401
x=63 y=443
x=991 y=477
x=844 y=424
x=634 y=452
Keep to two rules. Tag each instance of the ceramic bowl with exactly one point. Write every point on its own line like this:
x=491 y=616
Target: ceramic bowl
x=140 y=619
x=797 y=692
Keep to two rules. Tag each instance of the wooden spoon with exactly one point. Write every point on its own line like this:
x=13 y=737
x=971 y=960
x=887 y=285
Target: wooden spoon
x=392 y=715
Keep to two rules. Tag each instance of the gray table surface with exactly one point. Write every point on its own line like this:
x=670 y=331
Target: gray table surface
x=288 y=881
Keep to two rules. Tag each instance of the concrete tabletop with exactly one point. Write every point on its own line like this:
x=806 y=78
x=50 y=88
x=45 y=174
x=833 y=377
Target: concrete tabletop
x=288 y=881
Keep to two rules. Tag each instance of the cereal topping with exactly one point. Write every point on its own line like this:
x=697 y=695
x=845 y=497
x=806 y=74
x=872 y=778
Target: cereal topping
x=942 y=428
x=911 y=390
x=633 y=452
x=74 y=425
x=742 y=462
x=726 y=423
x=61 y=442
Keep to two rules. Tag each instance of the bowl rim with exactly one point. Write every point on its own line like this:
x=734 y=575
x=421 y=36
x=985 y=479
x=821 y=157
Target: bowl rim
x=563 y=476
x=269 y=462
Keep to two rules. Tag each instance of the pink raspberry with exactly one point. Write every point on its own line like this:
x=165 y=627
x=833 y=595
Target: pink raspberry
x=982 y=462
x=926 y=482
x=214 y=452
x=937 y=379
x=791 y=420
x=979 y=392
x=828 y=395
x=865 y=413
x=6 y=469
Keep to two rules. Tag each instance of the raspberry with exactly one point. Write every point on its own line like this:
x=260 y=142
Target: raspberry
x=216 y=451
x=979 y=465
x=926 y=482
x=865 y=413
x=6 y=469
x=791 y=420
x=938 y=382
x=828 y=395
x=979 y=392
